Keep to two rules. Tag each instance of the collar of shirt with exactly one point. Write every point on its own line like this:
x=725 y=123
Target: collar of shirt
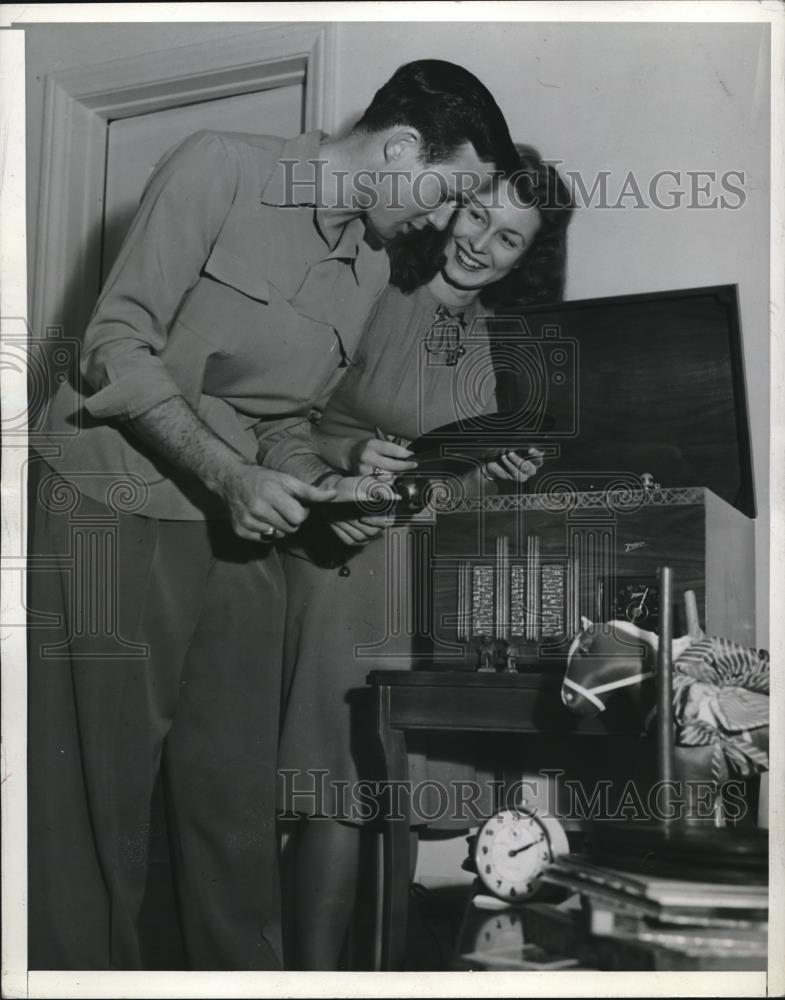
x=296 y=183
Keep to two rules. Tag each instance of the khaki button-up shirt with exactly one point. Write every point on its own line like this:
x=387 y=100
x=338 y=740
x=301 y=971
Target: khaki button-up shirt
x=227 y=293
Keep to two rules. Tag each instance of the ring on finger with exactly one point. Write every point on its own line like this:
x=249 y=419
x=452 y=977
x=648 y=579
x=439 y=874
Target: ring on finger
x=267 y=534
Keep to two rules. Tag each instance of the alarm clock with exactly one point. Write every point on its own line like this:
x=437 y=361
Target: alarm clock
x=513 y=849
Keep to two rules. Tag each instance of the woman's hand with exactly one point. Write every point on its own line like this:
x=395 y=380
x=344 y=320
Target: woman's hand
x=380 y=458
x=361 y=530
x=355 y=489
x=513 y=466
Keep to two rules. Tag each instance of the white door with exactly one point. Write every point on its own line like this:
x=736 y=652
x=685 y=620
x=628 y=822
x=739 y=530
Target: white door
x=106 y=125
x=135 y=145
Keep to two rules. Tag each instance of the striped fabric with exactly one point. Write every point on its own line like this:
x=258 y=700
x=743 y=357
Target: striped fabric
x=721 y=697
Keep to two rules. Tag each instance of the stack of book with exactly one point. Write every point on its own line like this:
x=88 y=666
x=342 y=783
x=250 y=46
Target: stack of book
x=639 y=921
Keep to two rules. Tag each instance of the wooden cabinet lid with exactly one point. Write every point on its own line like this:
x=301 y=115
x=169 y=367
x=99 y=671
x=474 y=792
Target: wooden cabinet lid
x=651 y=383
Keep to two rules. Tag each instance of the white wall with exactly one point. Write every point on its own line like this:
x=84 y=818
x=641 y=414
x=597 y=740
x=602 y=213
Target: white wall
x=620 y=98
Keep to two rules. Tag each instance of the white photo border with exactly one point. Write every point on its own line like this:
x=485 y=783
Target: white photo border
x=16 y=980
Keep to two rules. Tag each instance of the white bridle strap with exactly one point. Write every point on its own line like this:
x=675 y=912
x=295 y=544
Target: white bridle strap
x=591 y=693
x=584 y=692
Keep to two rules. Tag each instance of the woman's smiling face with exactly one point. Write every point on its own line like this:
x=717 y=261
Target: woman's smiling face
x=489 y=237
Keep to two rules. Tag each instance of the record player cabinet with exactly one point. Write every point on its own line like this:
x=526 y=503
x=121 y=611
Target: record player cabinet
x=523 y=570
x=647 y=463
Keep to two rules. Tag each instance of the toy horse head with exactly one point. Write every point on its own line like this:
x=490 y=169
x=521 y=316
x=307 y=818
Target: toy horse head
x=604 y=659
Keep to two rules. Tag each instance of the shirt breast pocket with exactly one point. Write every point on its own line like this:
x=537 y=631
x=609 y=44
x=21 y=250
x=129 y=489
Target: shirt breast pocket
x=238 y=274
x=265 y=349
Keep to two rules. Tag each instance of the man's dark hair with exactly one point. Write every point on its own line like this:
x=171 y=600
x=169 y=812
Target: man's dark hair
x=417 y=256
x=448 y=106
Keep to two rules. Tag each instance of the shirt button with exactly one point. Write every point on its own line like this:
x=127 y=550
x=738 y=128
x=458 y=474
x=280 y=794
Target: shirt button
x=314 y=415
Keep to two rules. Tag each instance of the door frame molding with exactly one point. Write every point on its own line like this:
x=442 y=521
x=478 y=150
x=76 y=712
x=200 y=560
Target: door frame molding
x=79 y=105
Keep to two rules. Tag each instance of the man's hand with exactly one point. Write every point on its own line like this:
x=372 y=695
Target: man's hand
x=259 y=500
x=513 y=466
x=362 y=489
x=262 y=504
x=380 y=458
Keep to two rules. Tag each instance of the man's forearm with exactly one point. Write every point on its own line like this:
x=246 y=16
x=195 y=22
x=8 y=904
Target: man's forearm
x=177 y=433
x=260 y=503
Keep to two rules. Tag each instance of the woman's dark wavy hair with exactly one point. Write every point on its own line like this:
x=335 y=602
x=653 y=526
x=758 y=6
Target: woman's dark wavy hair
x=416 y=257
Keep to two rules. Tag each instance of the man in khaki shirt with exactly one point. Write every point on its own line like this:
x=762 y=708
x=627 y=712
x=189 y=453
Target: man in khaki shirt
x=233 y=309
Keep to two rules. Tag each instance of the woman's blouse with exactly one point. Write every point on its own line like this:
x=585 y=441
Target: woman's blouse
x=418 y=366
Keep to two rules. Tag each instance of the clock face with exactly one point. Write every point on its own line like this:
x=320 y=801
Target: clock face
x=637 y=601
x=512 y=849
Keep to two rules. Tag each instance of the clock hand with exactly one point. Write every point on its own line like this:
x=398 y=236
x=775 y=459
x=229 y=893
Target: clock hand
x=511 y=854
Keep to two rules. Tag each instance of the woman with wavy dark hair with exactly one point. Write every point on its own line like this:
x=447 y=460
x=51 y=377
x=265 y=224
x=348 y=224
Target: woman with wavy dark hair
x=503 y=249
x=417 y=257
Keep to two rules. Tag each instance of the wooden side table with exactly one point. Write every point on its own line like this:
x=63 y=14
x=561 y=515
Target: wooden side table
x=453 y=701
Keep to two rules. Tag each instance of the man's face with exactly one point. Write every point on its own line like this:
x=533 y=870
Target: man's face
x=412 y=194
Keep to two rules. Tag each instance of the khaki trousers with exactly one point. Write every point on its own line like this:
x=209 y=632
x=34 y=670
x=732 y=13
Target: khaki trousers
x=154 y=648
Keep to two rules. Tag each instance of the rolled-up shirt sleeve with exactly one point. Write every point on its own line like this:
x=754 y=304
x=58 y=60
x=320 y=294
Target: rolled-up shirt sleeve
x=181 y=213
x=289 y=445
x=337 y=450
